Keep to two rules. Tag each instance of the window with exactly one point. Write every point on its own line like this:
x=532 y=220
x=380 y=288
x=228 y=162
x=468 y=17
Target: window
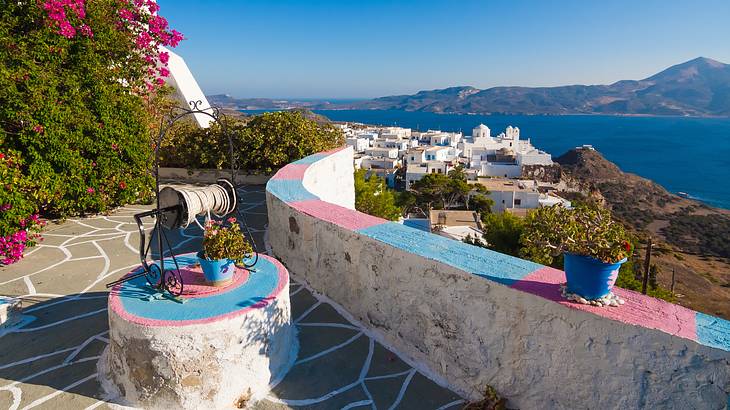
x=439 y=170
x=518 y=202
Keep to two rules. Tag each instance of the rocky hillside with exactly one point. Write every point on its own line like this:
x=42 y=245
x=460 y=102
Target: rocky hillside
x=700 y=87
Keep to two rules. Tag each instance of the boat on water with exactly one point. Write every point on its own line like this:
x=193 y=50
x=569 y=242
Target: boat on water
x=683 y=194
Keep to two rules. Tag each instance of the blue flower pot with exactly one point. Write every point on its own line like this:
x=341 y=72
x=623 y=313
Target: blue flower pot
x=589 y=277
x=217 y=272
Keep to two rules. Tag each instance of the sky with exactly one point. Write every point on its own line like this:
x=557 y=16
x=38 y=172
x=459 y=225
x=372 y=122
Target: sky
x=370 y=48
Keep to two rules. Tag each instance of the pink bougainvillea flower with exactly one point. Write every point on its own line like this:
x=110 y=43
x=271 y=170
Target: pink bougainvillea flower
x=86 y=31
x=126 y=14
x=164 y=57
x=231 y=220
x=115 y=147
x=66 y=29
x=39 y=129
x=90 y=190
x=122 y=185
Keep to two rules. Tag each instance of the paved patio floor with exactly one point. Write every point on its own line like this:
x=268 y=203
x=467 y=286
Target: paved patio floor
x=50 y=362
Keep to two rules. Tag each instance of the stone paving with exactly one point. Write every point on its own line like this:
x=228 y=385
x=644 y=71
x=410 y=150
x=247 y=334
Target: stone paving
x=49 y=361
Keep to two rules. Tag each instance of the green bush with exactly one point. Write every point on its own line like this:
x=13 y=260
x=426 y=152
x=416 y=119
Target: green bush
x=373 y=197
x=586 y=230
x=74 y=100
x=502 y=232
x=262 y=144
x=19 y=223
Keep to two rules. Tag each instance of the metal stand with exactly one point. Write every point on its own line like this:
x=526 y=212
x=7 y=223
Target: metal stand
x=170 y=217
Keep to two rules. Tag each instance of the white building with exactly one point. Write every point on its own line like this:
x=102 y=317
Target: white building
x=440 y=154
x=395 y=132
x=414 y=172
x=382 y=152
x=510 y=195
x=399 y=144
x=369 y=162
x=358 y=144
x=503 y=155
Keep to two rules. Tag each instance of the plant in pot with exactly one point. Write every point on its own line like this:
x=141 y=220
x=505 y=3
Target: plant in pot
x=223 y=247
x=593 y=244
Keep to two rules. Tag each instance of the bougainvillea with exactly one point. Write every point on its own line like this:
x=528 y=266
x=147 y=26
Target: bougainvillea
x=19 y=222
x=149 y=31
x=78 y=82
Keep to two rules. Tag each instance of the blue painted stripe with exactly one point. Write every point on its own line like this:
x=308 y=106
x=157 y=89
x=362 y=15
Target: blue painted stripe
x=311 y=159
x=713 y=331
x=260 y=284
x=289 y=190
x=492 y=265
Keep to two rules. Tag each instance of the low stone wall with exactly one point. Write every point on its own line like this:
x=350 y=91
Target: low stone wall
x=209 y=176
x=473 y=317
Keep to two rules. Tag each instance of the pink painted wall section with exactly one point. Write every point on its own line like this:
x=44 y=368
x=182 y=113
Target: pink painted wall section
x=640 y=310
x=291 y=171
x=346 y=218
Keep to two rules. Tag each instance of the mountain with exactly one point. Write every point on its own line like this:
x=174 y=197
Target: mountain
x=699 y=87
x=227 y=101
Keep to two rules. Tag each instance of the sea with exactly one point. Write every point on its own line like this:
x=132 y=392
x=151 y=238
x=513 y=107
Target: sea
x=690 y=155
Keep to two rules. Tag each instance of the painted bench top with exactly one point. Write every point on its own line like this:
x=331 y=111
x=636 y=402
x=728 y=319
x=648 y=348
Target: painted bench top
x=135 y=302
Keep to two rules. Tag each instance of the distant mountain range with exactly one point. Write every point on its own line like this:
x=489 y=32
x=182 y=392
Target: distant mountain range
x=699 y=87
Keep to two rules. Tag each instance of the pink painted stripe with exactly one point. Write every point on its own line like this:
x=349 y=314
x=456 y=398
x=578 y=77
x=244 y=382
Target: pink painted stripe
x=115 y=303
x=639 y=310
x=196 y=286
x=338 y=215
x=291 y=171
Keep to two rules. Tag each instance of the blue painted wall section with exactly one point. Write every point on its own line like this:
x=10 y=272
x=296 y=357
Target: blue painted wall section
x=713 y=331
x=311 y=159
x=492 y=265
x=289 y=190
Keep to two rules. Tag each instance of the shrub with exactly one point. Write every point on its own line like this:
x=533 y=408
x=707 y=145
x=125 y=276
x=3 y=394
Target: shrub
x=502 y=232
x=19 y=222
x=262 y=144
x=584 y=230
x=373 y=197
x=75 y=81
x=225 y=242
x=271 y=140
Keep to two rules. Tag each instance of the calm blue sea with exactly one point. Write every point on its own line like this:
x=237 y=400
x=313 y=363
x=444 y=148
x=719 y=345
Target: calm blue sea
x=690 y=155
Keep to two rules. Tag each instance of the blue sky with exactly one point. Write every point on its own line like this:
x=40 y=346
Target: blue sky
x=370 y=48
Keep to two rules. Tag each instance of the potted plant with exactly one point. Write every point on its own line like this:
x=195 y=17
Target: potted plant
x=594 y=246
x=223 y=247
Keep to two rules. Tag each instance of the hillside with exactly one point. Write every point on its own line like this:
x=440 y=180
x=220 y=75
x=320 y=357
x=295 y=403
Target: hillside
x=700 y=87
x=693 y=238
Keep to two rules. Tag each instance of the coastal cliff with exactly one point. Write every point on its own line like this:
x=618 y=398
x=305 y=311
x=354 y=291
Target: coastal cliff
x=692 y=239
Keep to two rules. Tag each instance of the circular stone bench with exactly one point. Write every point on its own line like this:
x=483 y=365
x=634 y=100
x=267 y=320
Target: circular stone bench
x=217 y=349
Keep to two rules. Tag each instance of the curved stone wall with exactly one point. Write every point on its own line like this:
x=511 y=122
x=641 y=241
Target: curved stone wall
x=473 y=317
